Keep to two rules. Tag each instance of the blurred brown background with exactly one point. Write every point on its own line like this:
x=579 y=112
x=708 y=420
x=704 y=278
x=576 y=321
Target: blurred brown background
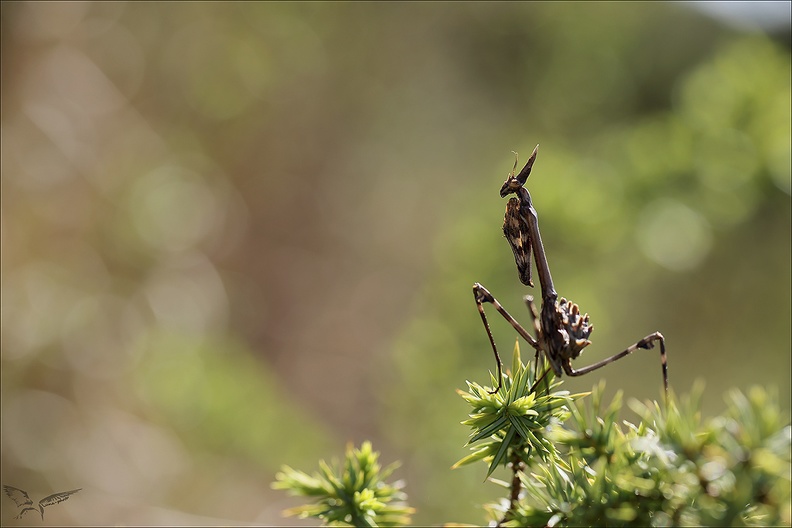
x=238 y=235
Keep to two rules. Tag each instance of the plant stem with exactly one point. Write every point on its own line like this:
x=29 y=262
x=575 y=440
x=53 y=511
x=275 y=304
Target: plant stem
x=517 y=466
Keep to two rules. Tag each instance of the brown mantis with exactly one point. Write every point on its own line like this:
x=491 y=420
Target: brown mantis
x=561 y=331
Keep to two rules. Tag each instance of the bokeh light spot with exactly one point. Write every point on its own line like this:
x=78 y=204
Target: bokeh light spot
x=189 y=295
x=674 y=235
x=32 y=422
x=173 y=209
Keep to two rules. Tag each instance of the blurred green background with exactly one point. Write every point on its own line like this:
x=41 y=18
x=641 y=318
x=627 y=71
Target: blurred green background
x=240 y=235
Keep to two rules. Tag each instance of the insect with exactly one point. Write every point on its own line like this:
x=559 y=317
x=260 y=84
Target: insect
x=21 y=498
x=561 y=331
